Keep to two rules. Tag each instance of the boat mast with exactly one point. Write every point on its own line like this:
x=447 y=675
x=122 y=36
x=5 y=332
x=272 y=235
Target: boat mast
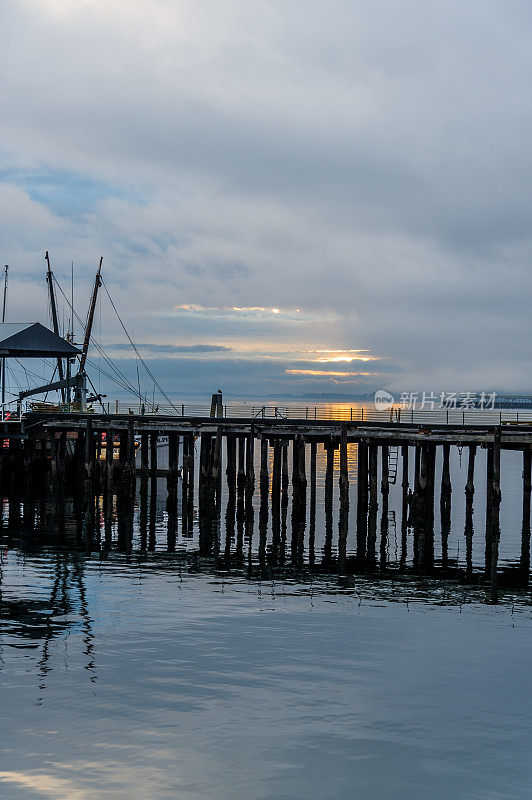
x=88 y=330
x=50 y=281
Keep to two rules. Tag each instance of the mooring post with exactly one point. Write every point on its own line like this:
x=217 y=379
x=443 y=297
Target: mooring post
x=525 y=529
x=445 y=505
x=343 y=521
x=469 y=493
x=495 y=508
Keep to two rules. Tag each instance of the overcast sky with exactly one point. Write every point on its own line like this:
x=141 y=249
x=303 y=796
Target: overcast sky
x=276 y=185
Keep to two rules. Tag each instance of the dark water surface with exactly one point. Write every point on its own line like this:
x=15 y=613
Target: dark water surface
x=150 y=674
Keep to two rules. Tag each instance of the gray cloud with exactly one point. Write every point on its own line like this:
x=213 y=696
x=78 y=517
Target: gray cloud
x=366 y=161
x=151 y=347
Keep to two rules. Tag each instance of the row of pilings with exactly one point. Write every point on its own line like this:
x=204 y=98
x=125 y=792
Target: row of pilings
x=78 y=466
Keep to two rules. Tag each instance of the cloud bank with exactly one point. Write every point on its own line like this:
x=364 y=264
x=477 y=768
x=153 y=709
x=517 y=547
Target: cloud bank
x=361 y=168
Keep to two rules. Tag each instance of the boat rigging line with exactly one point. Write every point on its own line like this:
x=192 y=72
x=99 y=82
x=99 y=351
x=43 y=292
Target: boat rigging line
x=119 y=377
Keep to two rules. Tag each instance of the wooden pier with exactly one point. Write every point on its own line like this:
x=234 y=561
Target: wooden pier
x=51 y=455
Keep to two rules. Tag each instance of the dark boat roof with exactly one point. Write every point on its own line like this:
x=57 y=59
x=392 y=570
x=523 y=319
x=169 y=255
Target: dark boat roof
x=32 y=340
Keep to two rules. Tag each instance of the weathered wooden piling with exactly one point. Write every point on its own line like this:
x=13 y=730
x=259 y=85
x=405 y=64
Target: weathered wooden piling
x=250 y=483
x=373 y=505
x=343 y=521
x=495 y=509
x=445 y=505
x=404 y=506
x=489 y=510
x=329 y=477
x=154 y=436
x=312 y=510
x=524 y=560
x=205 y=492
x=88 y=492
x=469 y=493
x=362 y=502
x=171 y=486
x=385 y=491
x=241 y=473
x=143 y=493
x=231 y=465
x=299 y=483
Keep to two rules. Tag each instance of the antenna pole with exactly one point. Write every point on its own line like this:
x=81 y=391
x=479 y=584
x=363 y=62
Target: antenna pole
x=53 y=306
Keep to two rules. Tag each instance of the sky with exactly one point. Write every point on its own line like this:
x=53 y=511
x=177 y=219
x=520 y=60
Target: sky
x=291 y=198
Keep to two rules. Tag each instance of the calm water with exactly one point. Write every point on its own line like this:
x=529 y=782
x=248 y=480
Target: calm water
x=164 y=675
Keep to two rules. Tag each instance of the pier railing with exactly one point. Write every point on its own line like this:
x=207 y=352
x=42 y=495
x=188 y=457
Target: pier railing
x=336 y=412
